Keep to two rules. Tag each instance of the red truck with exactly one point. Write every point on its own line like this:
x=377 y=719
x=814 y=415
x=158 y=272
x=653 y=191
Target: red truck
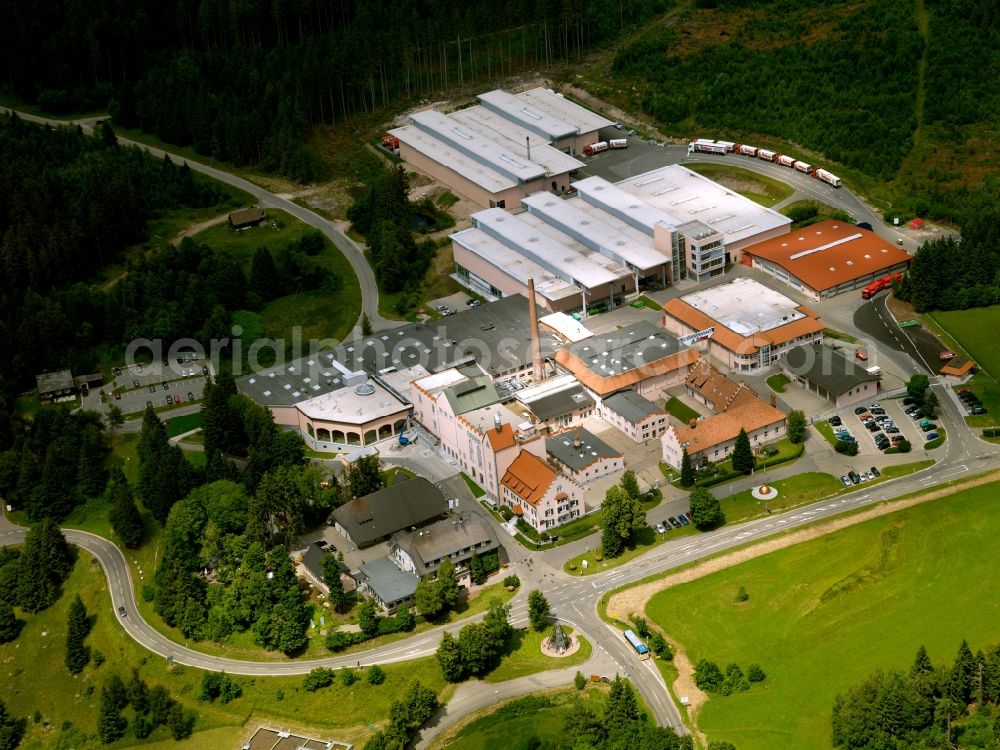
x=882 y=284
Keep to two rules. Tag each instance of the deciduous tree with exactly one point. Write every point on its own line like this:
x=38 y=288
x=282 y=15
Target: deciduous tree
x=538 y=609
x=622 y=517
x=796 y=422
x=706 y=512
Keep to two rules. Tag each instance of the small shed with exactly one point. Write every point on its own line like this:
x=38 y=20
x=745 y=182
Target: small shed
x=958 y=368
x=246 y=217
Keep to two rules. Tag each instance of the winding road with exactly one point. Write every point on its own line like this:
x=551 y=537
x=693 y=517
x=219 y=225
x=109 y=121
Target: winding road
x=573 y=599
x=266 y=199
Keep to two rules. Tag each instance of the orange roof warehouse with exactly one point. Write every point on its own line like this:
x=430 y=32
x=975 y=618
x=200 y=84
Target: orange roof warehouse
x=827 y=258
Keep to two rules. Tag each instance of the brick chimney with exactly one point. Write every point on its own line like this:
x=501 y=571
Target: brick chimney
x=576 y=440
x=774 y=400
x=536 y=344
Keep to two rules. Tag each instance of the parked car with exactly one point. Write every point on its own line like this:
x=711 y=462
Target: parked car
x=204 y=369
x=872 y=426
x=878 y=412
x=441 y=308
x=190 y=396
x=931 y=436
x=869 y=476
x=845 y=481
x=892 y=429
x=854 y=477
x=169 y=400
x=152 y=388
x=835 y=421
x=946 y=355
x=861 y=354
x=872 y=407
x=149 y=404
x=909 y=400
x=661 y=528
x=875 y=472
x=674 y=522
x=860 y=410
x=177 y=398
x=166 y=385
x=118 y=396
x=683 y=519
x=474 y=303
x=976 y=410
x=135 y=383
x=897 y=439
x=928 y=427
x=924 y=422
x=917 y=415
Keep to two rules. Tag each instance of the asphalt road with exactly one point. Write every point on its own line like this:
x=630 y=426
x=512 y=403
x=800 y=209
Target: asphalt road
x=918 y=344
x=266 y=199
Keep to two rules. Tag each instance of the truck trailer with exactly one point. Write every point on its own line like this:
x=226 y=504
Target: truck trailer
x=828 y=177
x=618 y=143
x=595 y=148
x=801 y=166
x=763 y=153
x=786 y=161
x=880 y=285
x=748 y=150
x=705 y=146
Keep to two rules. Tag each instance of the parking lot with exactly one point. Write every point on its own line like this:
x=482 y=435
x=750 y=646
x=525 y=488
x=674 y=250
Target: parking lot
x=891 y=423
x=135 y=388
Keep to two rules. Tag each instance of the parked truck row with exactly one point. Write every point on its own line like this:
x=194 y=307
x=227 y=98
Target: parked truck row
x=721 y=148
x=596 y=148
x=882 y=284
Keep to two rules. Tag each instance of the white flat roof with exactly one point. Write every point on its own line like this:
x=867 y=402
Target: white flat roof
x=439 y=381
x=745 y=306
x=624 y=205
x=594 y=231
x=484 y=150
x=514 y=264
x=532 y=237
x=353 y=404
x=688 y=196
x=488 y=179
x=566 y=326
x=547 y=102
x=547 y=387
x=536 y=120
x=513 y=137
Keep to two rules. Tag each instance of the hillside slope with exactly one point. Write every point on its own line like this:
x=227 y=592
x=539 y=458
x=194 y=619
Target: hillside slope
x=894 y=94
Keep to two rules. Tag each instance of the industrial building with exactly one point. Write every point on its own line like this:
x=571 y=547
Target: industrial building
x=583 y=456
x=639 y=356
x=359 y=393
x=742 y=324
x=826 y=259
x=830 y=375
x=611 y=240
x=503 y=149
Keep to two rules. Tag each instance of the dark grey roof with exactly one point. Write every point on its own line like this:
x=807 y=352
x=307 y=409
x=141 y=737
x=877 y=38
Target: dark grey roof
x=615 y=352
x=496 y=335
x=387 y=582
x=51 y=382
x=391 y=509
x=826 y=368
x=631 y=406
x=559 y=403
x=591 y=449
x=446 y=538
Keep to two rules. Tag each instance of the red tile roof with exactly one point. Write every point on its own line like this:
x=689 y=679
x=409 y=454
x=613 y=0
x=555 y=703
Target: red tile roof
x=830 y=253
x=528 y=477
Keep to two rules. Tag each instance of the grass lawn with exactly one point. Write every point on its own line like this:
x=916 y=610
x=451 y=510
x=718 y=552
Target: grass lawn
x=757 y=187
x=643 y=541
x=787 y=451
x=936 y=442
x=802 y=489
x=778 y=382
x=988 y=391
x=826 y=430
x=644 y=301
x=36 y=679
x=825 y=614
x=823 y=212
x=474 y=488
x=678 y=409
x=973 y=331
x=179 y=425
x=536 y=720
x=319 y=314
x=526 y=657
x=197 y=438
x=840 y=336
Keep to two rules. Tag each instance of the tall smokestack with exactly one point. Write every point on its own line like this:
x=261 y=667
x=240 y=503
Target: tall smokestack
x=527 y=142
x=497 y=423
x=536 y=344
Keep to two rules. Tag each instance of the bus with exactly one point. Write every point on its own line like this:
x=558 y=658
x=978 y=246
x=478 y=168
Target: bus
x=640 y=648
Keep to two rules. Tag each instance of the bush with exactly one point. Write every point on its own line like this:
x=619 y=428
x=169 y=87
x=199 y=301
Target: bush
x=580 y=681
x=991 y=432
x=148 y=593
x=348 y=677
x=219 y=685
x=755 y=673
x=708 y=676
x=641 y=627
x=735 y=681
x=742 y=595
x=320 y=677
x=376 y=675
x=848 y=449
x=661 y=648
x=338 y=640
x=511 y=581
